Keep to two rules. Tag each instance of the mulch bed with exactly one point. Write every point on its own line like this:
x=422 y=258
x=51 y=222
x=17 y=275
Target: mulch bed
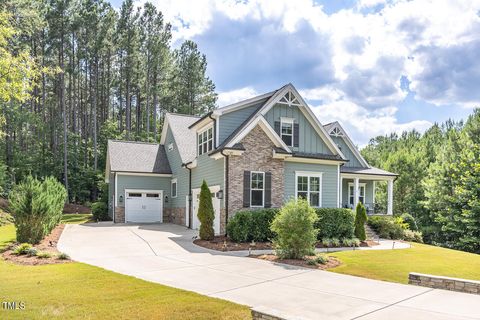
x=331 y=263
x=75 y=208
x=222 y=243
x=48 y=244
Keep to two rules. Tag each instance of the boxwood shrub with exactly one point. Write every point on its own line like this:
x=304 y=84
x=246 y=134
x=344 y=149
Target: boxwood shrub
x=335 y=223
x=251 y=225
x=387 y=227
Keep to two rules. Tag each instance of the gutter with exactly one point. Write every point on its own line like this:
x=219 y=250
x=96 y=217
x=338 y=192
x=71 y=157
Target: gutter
x=214 y=128
x=226 y=189
x=190 y=209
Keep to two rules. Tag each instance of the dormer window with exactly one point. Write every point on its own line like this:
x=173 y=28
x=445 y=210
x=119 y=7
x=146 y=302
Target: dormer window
x=286 y=131
x=205 y=141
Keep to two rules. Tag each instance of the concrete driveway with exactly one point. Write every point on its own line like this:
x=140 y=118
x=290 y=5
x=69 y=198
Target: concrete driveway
x=165 y=254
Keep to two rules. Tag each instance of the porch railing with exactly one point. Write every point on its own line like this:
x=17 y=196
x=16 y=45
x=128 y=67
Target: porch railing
x=372 y=208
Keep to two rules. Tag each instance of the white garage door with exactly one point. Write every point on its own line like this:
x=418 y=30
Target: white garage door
x=143 y=205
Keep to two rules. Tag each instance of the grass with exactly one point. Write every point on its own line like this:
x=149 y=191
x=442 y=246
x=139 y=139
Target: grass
x=80 y=291
x=75 y=218
x=394 y=265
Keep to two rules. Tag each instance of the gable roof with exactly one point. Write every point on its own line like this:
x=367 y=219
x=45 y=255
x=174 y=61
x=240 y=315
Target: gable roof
x=184 y=137
x=141 y=157
x=332 y=125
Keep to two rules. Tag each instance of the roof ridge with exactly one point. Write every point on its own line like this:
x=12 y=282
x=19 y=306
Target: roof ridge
x=135 y=142
x=182 y=115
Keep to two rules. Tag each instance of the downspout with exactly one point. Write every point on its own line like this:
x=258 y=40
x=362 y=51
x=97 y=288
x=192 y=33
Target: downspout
x=190 y=209
x=226 y=189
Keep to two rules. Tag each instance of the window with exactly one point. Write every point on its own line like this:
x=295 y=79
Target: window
x=351 y=193
x=309 y=187
x=205 y=141
x=152 y=195
x=257 y=188
x=286 y=131
x=170 y=146
x=136 y=195
x=174 y=188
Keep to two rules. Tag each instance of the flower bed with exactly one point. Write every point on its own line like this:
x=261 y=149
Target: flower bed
x=306 y=262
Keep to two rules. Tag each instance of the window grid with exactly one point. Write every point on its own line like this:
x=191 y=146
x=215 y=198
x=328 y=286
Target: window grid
x=257 y=189
x=205 y=141
x=308 y=187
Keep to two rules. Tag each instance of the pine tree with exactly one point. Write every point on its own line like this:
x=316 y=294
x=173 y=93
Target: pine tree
x=205 y=213
x=360 y=219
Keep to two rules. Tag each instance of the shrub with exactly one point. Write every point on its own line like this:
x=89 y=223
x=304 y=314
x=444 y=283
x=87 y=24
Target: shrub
x=251 y=225
x=63 y=256
x=32 y=252
x=37 y=207
x=410 y=220
x=360 y=219
x=100 y=211
x=415 y=236
x=335 y=242
x=44 y=255
x=387 y=227
x=206 y=214
x=294 y=226
x=5 y=218
x=334 y=223
x=321 y=259
x=351 y=242
x=22 y=248
x=326 y=242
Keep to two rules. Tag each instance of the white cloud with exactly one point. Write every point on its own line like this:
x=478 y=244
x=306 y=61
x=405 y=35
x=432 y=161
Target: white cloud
x=229 y=97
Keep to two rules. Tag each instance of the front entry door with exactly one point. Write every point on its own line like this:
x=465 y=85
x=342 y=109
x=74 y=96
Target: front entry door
x=216 y=208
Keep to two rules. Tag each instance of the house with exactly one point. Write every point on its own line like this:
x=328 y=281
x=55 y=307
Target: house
x=256 y=153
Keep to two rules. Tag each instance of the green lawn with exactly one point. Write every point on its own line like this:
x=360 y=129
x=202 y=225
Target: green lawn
x=81 y=291
x=394 y=265
x=76 y=218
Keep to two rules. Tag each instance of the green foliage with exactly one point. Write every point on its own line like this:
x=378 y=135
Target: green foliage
x=63 y=256
x=37 y=207
x=44 y=255
x=206 y=215
x=251 y=225
x=294 y=226
x=32 y=252
x=351 y=242
x=326 y=242
x=5 y=218
x=22 y=248
x=409 y=220
x=334 y=222
x=415 y=236
x=335 y=242
x=321 y=259
x=360 y=219
x=387 y=227
x=100 y=211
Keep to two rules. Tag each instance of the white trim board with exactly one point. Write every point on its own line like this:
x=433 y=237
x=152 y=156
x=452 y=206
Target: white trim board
x=143 y=174
x=310 y=174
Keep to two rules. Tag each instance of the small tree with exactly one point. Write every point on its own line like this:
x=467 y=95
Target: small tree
x=360 y=219
x=205 y=213
x=294 y=226
x=37 y=207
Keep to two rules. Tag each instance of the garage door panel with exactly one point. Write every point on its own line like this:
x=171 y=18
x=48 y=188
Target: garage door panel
x=145 y=208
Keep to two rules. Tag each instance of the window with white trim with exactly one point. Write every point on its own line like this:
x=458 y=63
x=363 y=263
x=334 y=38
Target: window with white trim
x=286 y=131
x=351 y=193
x=205 y=141
x=257 y=189
x=309 y=187
x=174 y=188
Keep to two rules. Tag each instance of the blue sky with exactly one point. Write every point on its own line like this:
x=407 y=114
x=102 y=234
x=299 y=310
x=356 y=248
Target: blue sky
x=377 y=66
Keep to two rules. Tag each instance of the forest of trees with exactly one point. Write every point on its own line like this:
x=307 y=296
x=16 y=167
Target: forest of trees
x=439 y=182
x=74 y=73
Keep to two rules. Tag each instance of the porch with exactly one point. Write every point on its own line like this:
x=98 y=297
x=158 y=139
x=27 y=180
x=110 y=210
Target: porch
x=360 y=184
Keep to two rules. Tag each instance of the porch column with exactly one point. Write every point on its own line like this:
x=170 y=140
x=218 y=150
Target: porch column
x=340 y=193
x=390 y=197
x=355 y=192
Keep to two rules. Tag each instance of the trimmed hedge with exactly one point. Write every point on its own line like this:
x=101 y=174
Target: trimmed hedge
x=100 y=211
x=335 y=223
x=252 y=225
x=388 y=227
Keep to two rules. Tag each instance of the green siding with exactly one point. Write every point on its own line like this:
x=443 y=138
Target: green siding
x=142 y=182
x=111 y=190
x=230 y=121
x=178 y=172
x=347 y=152
x=329 y=181
x=210 y=170
x=309 y=140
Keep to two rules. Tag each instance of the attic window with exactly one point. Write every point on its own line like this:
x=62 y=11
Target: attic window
x=205 y=141
x=336 y=132
x=289 y=99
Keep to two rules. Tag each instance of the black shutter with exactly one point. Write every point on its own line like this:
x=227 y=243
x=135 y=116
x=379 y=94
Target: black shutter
x=277 y=127
x=268 y=190
x=296 y=134
x=246 y=189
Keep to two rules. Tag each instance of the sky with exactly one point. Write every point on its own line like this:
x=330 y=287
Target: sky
x=376 y=66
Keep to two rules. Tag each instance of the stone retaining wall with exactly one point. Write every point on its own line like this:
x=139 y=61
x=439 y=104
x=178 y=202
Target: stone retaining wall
x=446 y=283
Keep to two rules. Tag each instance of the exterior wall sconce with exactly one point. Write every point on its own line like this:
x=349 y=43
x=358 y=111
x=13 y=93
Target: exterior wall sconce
x=220 y=194
x=166 y=199
x=120 y=199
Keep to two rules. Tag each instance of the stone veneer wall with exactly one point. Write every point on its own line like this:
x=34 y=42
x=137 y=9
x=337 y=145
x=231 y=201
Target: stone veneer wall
x=258 y=156
x=446 y=283
x=174 y=215
x=119 y=214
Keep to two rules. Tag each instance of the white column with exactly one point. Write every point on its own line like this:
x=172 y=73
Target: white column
x=390 y=197
x=340 y=192
x=355 y=192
